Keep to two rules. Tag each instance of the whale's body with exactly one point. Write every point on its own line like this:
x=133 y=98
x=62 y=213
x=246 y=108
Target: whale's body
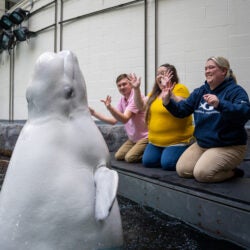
x=59 y=192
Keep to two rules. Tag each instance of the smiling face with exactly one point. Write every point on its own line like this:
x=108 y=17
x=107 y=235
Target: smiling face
x=214 y=74
x=124 y=87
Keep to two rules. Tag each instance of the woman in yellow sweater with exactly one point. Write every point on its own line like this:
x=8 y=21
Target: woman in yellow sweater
x=168 y=136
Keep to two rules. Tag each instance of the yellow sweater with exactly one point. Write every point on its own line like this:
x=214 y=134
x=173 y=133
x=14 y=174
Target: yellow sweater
x=165 y=129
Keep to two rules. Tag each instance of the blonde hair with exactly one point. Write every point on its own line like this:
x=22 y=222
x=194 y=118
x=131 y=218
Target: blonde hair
x=223 y=63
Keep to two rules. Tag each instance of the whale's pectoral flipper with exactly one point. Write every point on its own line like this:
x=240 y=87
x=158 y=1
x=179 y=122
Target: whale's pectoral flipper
x=106 y=182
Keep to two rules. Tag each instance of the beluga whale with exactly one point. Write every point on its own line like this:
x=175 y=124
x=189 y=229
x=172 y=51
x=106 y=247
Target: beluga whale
x=59 y=192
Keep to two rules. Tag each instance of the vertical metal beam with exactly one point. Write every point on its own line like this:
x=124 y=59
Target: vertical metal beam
x=55 y=31
x=145 y=46
x=11 y=89
x=10 y=92
x=61 y=25
x=156 y=36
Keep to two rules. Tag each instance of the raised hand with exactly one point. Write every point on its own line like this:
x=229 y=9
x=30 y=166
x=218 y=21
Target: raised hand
x=107 y=102
x=134 y=80
x=167 y=86
x=165 y=79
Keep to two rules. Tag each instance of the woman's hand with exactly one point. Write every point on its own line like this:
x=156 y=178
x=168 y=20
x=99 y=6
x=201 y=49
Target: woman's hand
x=165 y=79
x=134 y=80
x=167 y=91
x=211 y=100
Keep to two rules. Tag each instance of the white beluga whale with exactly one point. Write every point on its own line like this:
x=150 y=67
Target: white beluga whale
x=59 y=192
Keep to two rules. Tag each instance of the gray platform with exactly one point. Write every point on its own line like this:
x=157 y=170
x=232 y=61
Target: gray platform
x=236 y=189
x=222 y=209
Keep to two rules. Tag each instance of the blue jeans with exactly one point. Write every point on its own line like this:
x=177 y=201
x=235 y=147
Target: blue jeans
x=165 y=157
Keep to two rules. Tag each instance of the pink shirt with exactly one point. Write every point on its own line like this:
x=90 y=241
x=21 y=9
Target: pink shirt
x=136 y=127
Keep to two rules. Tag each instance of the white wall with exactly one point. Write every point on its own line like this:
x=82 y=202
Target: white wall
x=107 y=45
x=192 y=31
x=112 y=42
x=4 y=77
x=2 y=7
x=26 y=53
x=4 y=85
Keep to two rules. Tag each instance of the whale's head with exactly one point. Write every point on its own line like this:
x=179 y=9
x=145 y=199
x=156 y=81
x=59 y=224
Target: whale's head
x=57 y=86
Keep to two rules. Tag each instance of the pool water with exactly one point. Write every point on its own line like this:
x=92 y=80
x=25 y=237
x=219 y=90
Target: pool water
x=145 y=228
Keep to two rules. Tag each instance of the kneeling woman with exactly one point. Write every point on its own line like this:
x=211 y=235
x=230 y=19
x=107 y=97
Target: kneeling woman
x=221 y=109
x=168 y=136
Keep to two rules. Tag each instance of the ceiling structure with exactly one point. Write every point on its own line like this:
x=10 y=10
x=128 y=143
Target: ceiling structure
x=13 y=1
x=10 y=3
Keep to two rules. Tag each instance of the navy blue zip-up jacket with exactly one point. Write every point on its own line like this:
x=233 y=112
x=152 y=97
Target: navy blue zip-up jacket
x=216 y=127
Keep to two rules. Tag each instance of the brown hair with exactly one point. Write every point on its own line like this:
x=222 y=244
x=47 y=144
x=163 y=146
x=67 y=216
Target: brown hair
x=156 y=89
x=223 y=63
x=120 y=77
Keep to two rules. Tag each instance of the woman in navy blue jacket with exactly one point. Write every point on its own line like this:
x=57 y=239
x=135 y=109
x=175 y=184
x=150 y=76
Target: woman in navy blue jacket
x=221 y=109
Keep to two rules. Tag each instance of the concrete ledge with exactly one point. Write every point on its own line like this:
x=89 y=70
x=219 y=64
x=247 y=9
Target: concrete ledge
x=9 y=132
x=114 y=136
